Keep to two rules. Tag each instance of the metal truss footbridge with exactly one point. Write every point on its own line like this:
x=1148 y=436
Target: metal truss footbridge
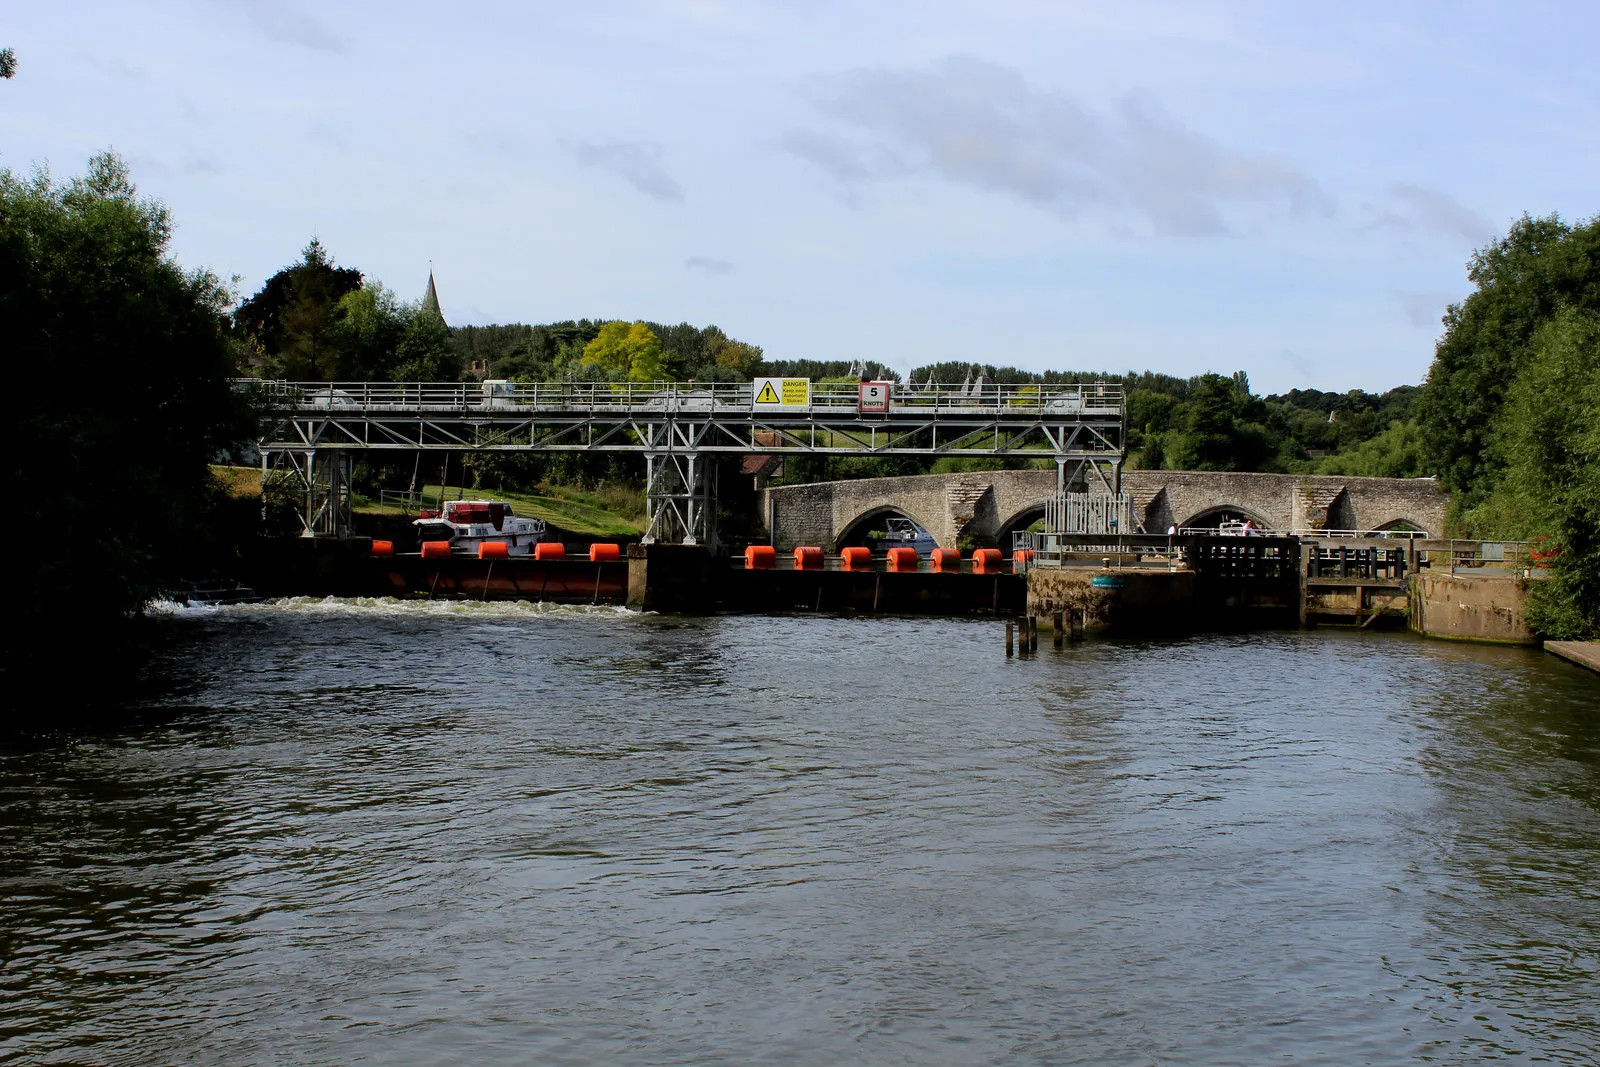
x=311 y=431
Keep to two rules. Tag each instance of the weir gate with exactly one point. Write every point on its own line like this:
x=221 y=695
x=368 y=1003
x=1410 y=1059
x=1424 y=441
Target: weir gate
x=311 y=431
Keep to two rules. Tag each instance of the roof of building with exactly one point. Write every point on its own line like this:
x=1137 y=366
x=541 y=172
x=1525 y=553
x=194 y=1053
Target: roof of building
x=430 y=299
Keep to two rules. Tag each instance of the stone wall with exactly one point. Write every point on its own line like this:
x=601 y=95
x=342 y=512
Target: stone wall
x=1471 y=607
x=986 y=506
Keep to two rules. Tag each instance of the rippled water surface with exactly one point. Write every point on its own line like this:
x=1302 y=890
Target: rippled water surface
x=414 y=834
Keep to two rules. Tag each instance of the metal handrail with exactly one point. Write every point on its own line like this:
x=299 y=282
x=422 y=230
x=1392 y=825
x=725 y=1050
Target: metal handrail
x=1490 y=556
x=1308 y=533
x=679 y=397
x=1388 y=535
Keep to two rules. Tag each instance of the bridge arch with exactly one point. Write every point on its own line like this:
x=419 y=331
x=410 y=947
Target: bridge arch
x=855 y=531
x=1024 y=517
x=1217 y=514
x=1397 y=525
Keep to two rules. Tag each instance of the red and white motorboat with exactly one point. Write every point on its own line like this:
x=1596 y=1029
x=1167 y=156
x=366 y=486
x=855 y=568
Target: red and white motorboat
x=466 y=524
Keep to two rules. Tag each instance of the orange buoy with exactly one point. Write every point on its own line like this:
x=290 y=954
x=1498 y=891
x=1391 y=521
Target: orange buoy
x=986 y=561
x=493 y=550
x=383 y=548
x=1023 y=554
x=947 y=560
x=604 y=550
x=549 y=550
x=435 y=549
x=856 y=558
x=760 y=558
x=808 y=558
x=902 y=558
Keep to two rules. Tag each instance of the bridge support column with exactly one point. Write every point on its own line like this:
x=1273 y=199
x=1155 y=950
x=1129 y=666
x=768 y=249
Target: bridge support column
x=680 y=496
x=317 y=481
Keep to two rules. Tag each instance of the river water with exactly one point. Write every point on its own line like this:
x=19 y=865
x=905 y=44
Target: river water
x=499 y=834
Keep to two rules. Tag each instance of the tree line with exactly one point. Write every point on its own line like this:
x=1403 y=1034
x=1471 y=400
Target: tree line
x=314 y=320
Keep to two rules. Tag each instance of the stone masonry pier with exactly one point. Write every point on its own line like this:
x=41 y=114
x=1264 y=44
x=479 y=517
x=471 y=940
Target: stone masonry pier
x=988 y=506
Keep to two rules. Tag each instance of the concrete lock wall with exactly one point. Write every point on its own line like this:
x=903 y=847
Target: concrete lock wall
x=986 y=506
x=1471 y=607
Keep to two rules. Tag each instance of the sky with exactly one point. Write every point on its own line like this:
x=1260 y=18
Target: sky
x=1288 y=189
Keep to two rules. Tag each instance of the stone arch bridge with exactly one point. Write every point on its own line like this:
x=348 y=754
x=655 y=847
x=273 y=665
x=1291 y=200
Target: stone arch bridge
x=988 y=506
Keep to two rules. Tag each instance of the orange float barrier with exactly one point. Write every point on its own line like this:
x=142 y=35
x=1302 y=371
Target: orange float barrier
x=549 y=550
x=947 y=561
x=986 y=561
x=435 y=549
x=493 y=550
x=760 y=558
x=604 y=550
x=902 y=558
x=856 y=558
x=383 y=548
x=808 y=558
x=1024 y=555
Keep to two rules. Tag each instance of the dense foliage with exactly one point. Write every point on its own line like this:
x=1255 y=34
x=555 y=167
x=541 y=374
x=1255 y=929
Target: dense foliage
x=118 y=367
x=314 y=321
x=1510 y=414
x=595 y=349
x=1214 y=422
x=1523 y=281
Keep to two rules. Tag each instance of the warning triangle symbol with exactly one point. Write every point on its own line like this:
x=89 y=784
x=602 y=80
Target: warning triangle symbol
x=768 y=395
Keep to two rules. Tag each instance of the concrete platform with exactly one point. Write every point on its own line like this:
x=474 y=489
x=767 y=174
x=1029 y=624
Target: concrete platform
x=1583 y=653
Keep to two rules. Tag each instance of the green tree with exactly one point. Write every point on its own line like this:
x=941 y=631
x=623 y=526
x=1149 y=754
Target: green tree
x=311 y=317
x=1522 y=280
x=740 y=358
x=1216 y=430
x=1395 y=453
x=8 y=63
x=369 y=325
x=1548 y=445
x=293 y=319
x=626 y=352
x=424 y=352
x=118 y=365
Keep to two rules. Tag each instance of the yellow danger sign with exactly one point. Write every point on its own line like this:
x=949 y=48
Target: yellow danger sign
x=783 y=392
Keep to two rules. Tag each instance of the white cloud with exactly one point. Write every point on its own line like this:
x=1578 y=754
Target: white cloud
x=983 y=125
x=708 y=265
x=285 y=22
x=1429 y=209
x=636 y=163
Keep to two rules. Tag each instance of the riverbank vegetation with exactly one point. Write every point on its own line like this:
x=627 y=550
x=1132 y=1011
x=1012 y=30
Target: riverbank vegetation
x=117 y=362
x=1510 y=416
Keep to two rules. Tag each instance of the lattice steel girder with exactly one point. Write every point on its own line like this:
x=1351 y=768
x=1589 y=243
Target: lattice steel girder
x=1089 y=435
x=680 y=499
x=319 y=486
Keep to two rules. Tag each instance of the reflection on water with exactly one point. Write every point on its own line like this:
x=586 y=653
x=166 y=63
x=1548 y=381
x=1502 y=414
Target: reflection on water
x=411 y=833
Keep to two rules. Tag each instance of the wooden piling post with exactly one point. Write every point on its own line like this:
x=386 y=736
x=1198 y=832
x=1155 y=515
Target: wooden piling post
x=1078 y=617
x=1009 y=625
x=1059 y=625
x=1033 y=633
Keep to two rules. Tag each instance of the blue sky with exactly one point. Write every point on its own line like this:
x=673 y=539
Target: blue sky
x=1289 y=189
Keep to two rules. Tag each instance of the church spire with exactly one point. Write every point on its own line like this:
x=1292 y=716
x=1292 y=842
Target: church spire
x=430 y=299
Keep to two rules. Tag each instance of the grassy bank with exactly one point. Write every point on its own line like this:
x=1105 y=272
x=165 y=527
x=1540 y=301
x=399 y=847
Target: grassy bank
x=606 y=511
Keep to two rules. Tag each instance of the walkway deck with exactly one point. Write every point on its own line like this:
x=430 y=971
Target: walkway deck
x=1583 y=653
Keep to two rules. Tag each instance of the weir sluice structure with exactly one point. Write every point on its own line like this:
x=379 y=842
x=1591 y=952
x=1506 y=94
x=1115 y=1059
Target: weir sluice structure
x=1330 y=552
x=313 y=430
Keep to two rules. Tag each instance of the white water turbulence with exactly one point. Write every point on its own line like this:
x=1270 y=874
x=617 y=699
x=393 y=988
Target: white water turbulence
x=411 y=833
x=372 y=607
